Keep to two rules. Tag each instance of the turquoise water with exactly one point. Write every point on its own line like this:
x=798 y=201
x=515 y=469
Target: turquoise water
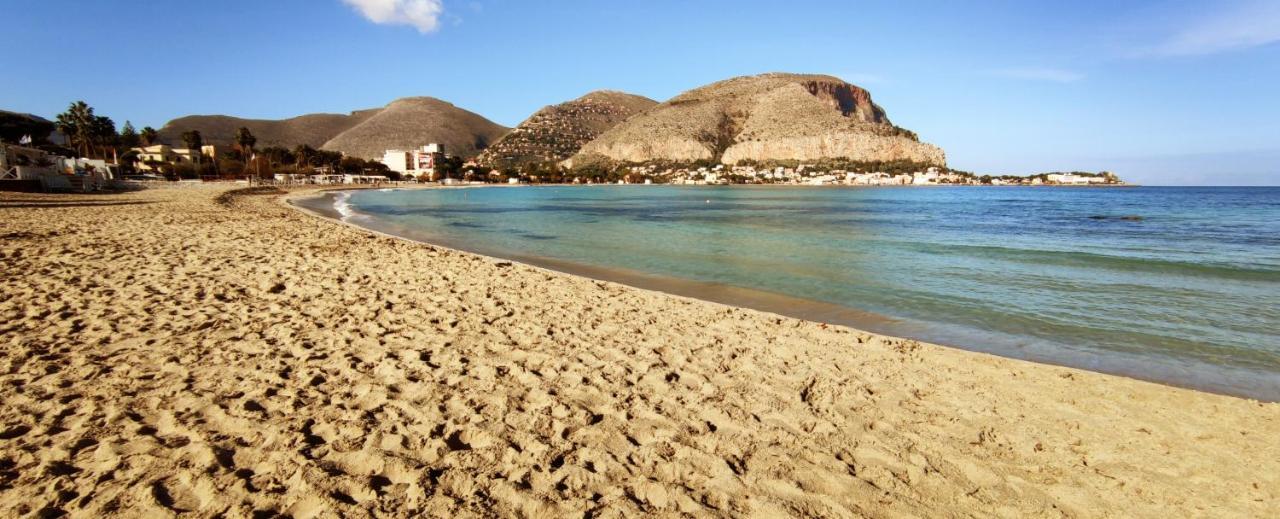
x=1179 y=285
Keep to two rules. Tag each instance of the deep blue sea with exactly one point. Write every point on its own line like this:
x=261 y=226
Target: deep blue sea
x=1177 y=285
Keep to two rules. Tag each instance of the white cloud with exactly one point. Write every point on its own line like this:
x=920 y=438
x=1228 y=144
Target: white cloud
x=423 y=15
x=1039 y=74
x=1242 y=26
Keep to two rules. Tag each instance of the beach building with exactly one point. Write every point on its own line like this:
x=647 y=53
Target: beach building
x=24 y=168
x=363 y=179
x=292 y=178
x=928 y=176
x=417 y=163
x=1071 y=179
x=822 y=180
x=163 y=153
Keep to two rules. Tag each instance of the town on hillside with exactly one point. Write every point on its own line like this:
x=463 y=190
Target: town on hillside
x=83 y=151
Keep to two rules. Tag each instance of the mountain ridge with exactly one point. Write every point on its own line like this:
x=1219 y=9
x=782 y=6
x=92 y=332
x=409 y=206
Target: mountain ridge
x=772 y=116
x=310 y=129
x=410 y=122
x=556 y=132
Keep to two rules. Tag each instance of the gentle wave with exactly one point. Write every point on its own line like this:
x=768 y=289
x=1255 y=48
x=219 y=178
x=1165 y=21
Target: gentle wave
x=1188 y=294
x=342 y=204
x=1106 y=261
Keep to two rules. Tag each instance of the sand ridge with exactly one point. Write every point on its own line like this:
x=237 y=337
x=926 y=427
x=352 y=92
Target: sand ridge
x=193 y=352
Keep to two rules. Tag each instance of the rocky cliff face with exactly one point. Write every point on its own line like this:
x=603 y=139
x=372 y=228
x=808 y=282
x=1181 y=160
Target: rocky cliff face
x=556 y=132
x=849 y=100
x=765 y=117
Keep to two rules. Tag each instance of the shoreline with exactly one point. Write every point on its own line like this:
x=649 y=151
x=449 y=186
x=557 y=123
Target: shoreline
x=221 y=353
x=1174 y=372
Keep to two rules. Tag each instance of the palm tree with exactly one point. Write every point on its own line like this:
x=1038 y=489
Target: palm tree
x=194 y=142
x=103 y=132
x=77 y=125
x=301 y=156
x=149 y=136
x=245 y=140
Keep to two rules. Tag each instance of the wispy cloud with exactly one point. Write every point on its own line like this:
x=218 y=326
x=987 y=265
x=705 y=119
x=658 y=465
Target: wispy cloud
x=423 y=15
x=1240 y=26
x=1056 y=75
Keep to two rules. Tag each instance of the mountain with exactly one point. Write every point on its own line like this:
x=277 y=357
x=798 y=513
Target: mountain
x=761 y=118
x=556 y=132
x=312 y=130
x=14 y=126
x=415 y=121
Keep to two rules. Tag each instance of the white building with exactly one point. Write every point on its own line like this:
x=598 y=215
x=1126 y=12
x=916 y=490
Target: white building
x=363 y=179
x=1073 y=179
x=417 y=163
x=822 y=180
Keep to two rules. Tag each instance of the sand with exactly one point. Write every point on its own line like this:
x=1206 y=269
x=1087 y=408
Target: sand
x=182 y=350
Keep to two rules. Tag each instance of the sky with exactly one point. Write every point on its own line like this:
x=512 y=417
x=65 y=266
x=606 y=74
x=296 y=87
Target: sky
x=1162 y=92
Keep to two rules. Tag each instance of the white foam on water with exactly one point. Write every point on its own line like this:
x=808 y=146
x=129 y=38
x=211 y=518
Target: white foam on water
x=342 y=204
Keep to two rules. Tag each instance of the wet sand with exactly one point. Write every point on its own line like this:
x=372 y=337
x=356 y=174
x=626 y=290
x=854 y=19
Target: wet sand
x=194 y=351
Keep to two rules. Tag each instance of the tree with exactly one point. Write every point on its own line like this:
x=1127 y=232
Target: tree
x=302 y=154
x=325 y=158
x=449 y=167
x=103 y=133
x=245 y=141
x=194 y=142
x=277 y=155
x=129 y=138
x=352 y=165
x=149 y=136
x=77 y=125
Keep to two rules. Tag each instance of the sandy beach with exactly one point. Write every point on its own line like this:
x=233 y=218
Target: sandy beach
x=218 y=354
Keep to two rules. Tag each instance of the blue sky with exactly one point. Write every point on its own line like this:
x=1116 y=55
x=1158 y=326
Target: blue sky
x=1161 y=92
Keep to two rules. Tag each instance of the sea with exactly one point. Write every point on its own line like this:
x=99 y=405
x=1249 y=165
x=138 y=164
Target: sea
x=1177 y=285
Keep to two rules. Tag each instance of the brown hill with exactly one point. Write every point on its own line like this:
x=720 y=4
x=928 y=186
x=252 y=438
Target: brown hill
x=765 y=117
x=312 y=130
x=556 y=132
x=415 y=121
x=14 y=126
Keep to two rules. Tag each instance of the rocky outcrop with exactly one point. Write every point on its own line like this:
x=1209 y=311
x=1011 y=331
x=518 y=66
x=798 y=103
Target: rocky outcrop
x=414 y=121
x=761 y=118
x=556 y=132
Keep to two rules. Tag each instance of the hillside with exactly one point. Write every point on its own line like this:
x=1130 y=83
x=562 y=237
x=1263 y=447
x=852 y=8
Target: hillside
x=415 y=121
x=14 y=126
x=556 y=132
x=765 y=117
x=313 y=129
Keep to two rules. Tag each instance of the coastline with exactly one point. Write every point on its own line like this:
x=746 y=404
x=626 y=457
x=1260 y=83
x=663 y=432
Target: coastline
x=1229 y=381
x=170 y=351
